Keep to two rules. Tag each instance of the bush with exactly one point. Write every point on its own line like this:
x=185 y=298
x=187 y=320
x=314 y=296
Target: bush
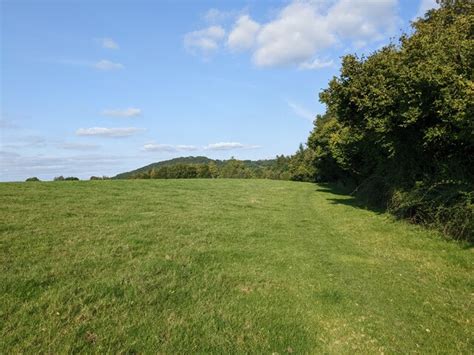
x=446 y=205
x=69 y=178
x=34 y=178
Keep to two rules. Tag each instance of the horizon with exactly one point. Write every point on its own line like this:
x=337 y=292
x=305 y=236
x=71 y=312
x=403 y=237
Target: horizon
x=84 y=95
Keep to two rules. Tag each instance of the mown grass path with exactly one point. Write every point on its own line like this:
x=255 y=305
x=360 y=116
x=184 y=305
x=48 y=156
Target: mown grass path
x=223 y=266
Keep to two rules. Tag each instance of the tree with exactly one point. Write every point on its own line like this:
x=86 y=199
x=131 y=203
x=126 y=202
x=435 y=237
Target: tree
x=400 y=122
x=301 y=166
x=203 y=171
x=213 y=170
x=234 y=168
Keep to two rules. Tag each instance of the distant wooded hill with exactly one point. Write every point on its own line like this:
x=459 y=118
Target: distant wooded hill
x=250 y=164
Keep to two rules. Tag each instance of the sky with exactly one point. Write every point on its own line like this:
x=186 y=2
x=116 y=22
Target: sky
x=99 y=87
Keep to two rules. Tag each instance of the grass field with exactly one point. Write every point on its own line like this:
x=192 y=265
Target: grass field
x=223 y=266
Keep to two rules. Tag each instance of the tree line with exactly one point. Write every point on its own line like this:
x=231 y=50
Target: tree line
x=399 y=127
x=233 y=168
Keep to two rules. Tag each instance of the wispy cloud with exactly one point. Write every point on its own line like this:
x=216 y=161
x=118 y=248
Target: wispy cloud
x=301 y=111
x=103 y=64
x=317 y=64
x=229 y=146
x=78 y=146
x=25 y=142
x=127 y=112
x=108 y=132
x=153 y=147
x=204 y=42
x=108 y=43
x=108 y=65
x=18 y=166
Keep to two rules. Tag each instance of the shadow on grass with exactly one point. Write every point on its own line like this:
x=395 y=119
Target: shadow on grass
x=348 y=199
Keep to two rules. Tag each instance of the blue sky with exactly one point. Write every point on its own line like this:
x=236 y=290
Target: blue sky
x=101 y=87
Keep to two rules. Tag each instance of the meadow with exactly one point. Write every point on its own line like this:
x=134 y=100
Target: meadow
x=219 y=266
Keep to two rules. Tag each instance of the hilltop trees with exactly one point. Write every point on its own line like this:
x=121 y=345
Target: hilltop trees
x=234 y=168
x=278 y=169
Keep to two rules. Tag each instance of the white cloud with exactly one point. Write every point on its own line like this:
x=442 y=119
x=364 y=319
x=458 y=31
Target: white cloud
x=229 y=146
x=186 y=147
x=105 y=64
x=224 y=146
x=243 y=34
x=317 y=64
x=152 y=147
x=363 y=19
x=108 y=43
x=293 y=37
x=303 y=29
x=108 y=132
x=128 y=112
x=301 y=111
x=426 y=5
x=205 y=41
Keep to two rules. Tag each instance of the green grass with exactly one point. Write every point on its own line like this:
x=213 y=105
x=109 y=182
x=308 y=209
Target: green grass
x=223 y=266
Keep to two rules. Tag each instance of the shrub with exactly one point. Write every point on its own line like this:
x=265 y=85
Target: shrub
x=446 y=205
x=34 y=178
x=69 y=178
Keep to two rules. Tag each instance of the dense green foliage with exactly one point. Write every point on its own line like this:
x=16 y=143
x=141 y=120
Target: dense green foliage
x=34 y=178
x=69 y=178
x=399 y=127
x=205 y=168
x=222 y=266
x=175 y=161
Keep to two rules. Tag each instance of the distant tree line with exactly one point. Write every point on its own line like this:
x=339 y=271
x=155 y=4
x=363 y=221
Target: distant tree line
x=232 y=168
x=99 y=178
x=69 y=178
x=399 y=126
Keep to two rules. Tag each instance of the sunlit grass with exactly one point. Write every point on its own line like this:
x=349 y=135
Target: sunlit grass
x=222 y=266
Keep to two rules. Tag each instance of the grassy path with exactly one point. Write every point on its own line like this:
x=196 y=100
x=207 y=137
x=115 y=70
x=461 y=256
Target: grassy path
x=223 y=266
